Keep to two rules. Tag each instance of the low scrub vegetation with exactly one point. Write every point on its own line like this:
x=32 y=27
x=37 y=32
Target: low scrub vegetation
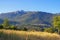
x=27 y=35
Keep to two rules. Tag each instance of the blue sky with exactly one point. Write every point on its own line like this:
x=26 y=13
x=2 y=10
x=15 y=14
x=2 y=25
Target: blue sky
x=52 y=6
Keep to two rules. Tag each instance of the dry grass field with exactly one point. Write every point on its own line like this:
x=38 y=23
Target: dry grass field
x=27 y=35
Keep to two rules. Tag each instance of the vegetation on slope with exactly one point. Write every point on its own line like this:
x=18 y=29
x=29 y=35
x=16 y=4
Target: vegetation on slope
x=25 y=17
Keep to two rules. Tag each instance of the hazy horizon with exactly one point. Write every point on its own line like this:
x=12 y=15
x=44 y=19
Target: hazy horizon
x=51 y=6
x=26 y=11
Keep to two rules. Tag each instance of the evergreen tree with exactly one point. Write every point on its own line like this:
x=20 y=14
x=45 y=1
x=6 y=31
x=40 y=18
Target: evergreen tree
x=6 y=23
x=56 y=23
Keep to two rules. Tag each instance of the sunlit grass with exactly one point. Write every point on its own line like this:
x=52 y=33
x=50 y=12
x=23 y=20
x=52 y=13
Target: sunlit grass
x=27 y=35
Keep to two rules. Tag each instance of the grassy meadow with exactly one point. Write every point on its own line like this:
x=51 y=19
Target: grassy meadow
x=27 y=35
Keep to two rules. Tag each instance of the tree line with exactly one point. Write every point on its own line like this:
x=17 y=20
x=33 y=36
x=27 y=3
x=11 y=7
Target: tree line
x=54 y=29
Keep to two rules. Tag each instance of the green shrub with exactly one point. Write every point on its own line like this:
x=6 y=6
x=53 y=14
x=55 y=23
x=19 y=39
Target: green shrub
x=51 y=30
x=12 y=27
x=1 y=26
x=25 y=29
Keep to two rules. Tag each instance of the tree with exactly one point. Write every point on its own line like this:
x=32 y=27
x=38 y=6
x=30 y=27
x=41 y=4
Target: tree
x=1 y=26
x=25 y=29
x=12 y=27
x=6 y=23
x=50 y=30
x=56 y=23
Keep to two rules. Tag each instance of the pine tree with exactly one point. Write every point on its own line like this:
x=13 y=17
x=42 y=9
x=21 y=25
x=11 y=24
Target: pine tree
x=6 y=23
x=56 y=23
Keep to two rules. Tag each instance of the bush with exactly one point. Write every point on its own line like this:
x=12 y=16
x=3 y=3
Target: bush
x=12 y=27
x=1 y=26
x=51 y=30
x=25 y=29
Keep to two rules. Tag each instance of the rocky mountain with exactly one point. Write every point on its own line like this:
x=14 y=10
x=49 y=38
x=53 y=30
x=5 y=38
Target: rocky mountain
x=28 y=17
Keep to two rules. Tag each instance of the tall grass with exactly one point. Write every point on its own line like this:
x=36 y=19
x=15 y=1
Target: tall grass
x=26 y=35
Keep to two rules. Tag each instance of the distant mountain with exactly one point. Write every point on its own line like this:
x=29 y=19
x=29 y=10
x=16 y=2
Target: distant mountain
x=28 y=17
x=1 y=21
x=11 y=15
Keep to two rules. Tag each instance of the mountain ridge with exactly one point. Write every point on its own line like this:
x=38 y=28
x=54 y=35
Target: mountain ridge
x=28 y=17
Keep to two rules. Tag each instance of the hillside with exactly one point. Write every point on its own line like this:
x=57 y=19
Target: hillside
x=28 y=17
x=26 y=35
